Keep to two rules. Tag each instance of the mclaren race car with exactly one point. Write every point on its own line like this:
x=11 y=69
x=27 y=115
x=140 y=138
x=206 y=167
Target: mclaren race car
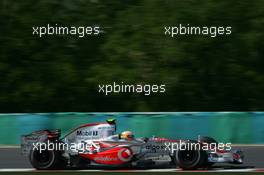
x=97 y=145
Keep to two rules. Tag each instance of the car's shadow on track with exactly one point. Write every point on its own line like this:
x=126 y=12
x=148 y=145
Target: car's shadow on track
x=110 y=168
x=230 y=167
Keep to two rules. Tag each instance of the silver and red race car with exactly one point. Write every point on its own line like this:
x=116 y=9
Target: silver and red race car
x=97 y=144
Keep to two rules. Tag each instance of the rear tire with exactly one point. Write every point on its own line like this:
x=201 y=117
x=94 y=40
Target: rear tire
x=46 y=159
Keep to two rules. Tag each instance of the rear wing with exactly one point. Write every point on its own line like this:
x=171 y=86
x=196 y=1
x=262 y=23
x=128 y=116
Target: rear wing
x=40 y=136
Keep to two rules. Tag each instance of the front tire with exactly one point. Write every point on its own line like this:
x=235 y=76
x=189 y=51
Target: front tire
x=189 y=159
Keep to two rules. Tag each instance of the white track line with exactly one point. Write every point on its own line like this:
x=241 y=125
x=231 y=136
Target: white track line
x=238 y=170
x=149 y=170
x=16 y=169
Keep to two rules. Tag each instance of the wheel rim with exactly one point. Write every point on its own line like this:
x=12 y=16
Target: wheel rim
x=188 y=157
x=42 y=159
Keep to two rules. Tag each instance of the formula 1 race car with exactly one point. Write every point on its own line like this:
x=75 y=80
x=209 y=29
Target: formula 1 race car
x=96 y=144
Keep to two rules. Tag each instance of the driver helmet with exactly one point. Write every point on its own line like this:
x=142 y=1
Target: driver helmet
x=127 y=135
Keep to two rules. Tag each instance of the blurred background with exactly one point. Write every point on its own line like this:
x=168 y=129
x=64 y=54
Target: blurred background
x=62 y=73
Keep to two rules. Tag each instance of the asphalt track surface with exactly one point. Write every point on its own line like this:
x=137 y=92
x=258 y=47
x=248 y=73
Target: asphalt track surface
x=11 y=158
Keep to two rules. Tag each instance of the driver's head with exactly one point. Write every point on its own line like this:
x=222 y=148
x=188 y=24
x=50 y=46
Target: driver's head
x=128 y=135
